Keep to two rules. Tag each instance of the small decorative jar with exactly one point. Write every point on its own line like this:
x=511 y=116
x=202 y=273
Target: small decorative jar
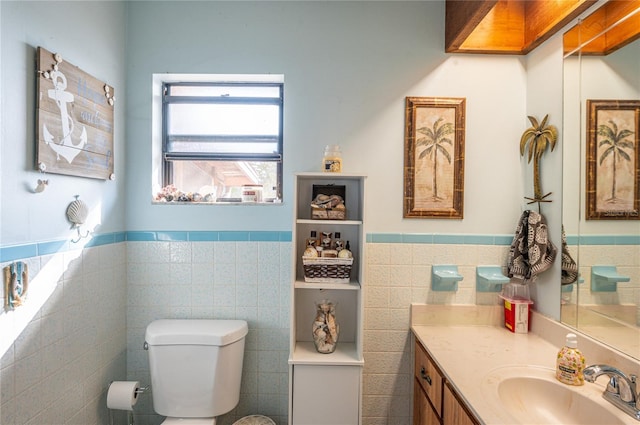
x=325 y=329
x=332 y=160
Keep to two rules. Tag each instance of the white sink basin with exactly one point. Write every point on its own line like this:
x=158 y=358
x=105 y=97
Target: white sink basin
x=531 y=394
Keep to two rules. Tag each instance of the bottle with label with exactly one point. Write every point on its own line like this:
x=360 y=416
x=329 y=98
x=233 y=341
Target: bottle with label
x=325 y=240
x=310 y=250
x=338 y=244
x=570 y=362
x=312 y=241
x=332 y=160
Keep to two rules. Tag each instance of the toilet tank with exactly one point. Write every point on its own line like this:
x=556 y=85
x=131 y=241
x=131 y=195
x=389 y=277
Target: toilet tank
x=195 y=365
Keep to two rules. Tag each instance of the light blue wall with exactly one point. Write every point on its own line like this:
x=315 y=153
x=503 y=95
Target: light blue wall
x=348 y=67
x=90 y=35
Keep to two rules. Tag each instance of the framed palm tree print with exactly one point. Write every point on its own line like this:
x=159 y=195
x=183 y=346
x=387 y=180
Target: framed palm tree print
x=613 y=160
x=434 y=157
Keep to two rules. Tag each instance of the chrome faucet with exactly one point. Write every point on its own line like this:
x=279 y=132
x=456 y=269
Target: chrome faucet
x=621 y=389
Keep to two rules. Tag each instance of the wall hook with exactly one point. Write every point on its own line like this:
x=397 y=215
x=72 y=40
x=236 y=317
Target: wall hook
x=77 y=213
x=80 y=236
x=42 y=185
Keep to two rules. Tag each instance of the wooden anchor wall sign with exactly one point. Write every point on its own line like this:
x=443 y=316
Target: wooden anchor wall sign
x=74 y=120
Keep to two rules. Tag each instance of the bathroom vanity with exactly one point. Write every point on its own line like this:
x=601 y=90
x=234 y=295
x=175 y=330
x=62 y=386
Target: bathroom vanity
x=434 y=401
x=469 y=369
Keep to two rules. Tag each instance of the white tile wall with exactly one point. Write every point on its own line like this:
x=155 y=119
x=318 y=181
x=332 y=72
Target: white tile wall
x=218 y=280
x=58 y=369
x=627 y=260
x=91 y=328
x=250 y=280
x=397 y=275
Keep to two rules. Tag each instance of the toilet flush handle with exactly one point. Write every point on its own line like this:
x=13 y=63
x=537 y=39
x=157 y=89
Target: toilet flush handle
x=145 y=346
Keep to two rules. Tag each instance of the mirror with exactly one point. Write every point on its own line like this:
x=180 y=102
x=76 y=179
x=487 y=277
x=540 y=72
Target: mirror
x=607 y=312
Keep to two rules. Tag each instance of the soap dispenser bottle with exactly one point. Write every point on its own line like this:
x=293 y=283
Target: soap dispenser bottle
x=570 y=363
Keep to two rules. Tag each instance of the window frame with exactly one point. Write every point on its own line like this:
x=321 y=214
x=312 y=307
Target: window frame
x=169 y=157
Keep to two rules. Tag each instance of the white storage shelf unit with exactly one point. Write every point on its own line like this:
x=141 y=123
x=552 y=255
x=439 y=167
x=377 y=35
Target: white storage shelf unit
x=343 y=368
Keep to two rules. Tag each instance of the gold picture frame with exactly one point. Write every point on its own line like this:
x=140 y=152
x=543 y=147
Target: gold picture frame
x=434 y=157
x=613 y=160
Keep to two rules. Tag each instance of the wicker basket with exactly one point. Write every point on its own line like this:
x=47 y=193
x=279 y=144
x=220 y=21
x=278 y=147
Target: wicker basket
x=328 y=214
x=327 y=270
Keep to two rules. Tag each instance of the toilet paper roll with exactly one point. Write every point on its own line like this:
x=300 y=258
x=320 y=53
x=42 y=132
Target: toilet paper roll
x=122 y=395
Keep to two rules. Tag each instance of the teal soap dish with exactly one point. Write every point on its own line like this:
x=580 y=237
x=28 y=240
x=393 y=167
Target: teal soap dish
x=606 y=278
x=490 y=279
x=445 y=278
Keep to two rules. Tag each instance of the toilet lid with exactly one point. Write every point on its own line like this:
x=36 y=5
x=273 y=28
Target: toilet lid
x=189 y=421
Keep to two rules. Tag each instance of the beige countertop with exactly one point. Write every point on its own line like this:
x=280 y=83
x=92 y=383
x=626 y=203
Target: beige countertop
x=470 y=343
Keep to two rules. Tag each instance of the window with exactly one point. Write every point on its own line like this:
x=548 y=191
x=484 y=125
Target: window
x=220 y=137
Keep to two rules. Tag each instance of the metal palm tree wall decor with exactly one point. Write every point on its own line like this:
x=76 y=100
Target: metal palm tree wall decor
x=539 y=136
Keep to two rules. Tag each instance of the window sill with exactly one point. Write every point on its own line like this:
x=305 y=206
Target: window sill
x=247 y=204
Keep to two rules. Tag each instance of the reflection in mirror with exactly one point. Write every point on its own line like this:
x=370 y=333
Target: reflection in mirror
x=611 y=316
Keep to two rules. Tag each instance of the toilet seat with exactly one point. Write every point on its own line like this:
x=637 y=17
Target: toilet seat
x=254 y=420
x=189 y=421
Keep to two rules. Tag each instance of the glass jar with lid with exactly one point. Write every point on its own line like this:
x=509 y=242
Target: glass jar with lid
x=332 y=159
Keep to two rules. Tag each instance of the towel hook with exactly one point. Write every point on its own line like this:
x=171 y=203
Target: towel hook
x=77 y=213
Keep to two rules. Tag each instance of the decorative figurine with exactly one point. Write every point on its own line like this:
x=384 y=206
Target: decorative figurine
x=325 y=329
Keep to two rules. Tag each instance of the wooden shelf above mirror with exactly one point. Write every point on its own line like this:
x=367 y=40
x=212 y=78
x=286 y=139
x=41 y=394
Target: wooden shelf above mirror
x=610 y=27
x=506 y=26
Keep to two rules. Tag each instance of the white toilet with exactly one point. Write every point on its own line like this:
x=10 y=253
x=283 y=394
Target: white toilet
x=196 y=368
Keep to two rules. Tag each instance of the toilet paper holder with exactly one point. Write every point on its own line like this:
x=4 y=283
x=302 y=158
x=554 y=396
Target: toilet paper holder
x=139 y=390
x=119 y=401
x=142 y=390
x=123 y=395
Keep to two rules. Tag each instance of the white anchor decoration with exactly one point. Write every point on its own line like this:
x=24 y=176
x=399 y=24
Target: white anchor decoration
x=65 y=147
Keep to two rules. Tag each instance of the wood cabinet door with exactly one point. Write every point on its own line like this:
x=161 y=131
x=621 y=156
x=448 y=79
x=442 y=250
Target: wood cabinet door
x=429 y=377
x=423 y=413
x=454 y=413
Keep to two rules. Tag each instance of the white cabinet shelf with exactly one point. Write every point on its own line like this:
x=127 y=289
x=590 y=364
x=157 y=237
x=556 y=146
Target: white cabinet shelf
x=346 y=354
x=346 y=363
x=329 y=222
x=351 y=286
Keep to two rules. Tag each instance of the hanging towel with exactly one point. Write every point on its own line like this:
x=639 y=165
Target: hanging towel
x=531 y=252
x=569 y=266
x=16 y=283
